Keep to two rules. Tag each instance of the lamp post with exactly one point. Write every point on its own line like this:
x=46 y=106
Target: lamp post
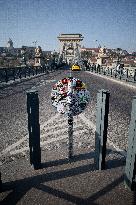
x=119 y=51
x=23 y=58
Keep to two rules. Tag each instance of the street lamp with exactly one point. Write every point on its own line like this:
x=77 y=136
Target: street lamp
x=119 y=51
x=23 y=57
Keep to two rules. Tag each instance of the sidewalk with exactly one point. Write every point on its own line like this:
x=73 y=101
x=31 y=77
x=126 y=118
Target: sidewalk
x=116 y=80
x=64 y=182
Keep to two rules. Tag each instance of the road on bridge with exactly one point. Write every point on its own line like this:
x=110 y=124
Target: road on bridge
x=13 y=114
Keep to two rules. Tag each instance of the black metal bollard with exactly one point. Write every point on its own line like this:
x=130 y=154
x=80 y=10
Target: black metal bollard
x=104 y=72
x=120 y=74
x=111 y=72
x=29 y=71
x=108 y=71
x=134 y=75
x=34 y=128
x=101 y=128
x=25 y=69
x=130 y=169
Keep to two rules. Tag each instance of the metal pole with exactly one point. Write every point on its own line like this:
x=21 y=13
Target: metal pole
x=13 y=73
x=25 y=69
x=101 y=128
x=134 y=75
x=111 y=72
x=130 y=169
x=34 y=128
x=120 y=74
x=29 y=73
x=70 y=117
x=70 y=134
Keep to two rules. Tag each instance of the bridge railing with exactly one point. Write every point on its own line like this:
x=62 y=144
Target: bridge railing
x=7 y=74
x=14 y=73
x=127 y=74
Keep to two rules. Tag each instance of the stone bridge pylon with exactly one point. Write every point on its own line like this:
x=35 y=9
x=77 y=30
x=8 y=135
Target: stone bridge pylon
x=70 y=47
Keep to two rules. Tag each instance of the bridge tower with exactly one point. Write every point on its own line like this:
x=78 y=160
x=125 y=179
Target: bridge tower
x=70 y=47
x=102 y=57
x=38 y=57
x=10 y=44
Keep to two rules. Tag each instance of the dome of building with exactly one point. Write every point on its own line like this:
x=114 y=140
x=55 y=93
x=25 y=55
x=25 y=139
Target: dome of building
x=10 y=43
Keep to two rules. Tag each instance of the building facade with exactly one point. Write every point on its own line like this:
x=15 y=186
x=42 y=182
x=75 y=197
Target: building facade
x=70 y=47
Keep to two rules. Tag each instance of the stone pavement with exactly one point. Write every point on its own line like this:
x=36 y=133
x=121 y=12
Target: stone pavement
x=64 y=182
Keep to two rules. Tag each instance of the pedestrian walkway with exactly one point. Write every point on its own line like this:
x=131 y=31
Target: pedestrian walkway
x=64 y=182
x=122 y=82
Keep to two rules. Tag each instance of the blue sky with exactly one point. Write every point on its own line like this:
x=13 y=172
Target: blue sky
x=111 y=22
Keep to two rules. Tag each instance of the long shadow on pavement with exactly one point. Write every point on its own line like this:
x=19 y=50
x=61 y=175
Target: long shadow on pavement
x=75 y=158
x=20 y=187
